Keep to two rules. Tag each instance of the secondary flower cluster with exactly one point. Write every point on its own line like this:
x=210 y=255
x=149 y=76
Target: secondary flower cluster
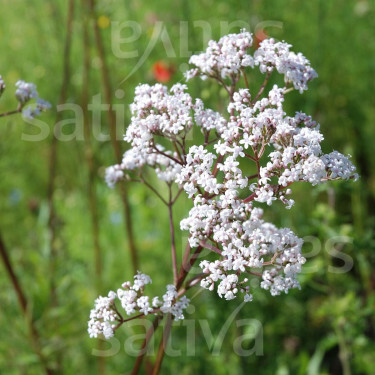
x=106 y=317
x=224 y=58
x=276 y=55
x=246 y=157
x=228 y=56
x=294 y=142
x=155 y=112
x=25 y=92
x=247 y=243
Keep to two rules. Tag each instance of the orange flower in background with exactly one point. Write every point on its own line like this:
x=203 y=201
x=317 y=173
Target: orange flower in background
x=259 y=36
x=162 y=71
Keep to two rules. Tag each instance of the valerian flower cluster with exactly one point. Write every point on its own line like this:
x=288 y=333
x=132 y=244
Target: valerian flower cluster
x=254 y=134
x=26 y=93
x=105 y=317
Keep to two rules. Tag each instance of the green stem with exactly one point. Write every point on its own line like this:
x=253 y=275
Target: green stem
x=112 y=131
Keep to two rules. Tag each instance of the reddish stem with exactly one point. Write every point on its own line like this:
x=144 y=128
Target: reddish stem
x=210 y=247
x=163 y=345
x=173 y=242
x=250 y=198
x=142 y=351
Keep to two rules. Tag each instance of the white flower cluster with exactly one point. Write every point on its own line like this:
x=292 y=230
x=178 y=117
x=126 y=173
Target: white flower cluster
x=229 y=55
x=113 y=174
x=296 y=154
x=247 y=243
x=170 y=304
x=295 y=67
x=339 y=166
x=249 y=156
x=207 y=119
x=197 y=172
x=298 y=157
x=224 y=58
x=166 y=169
x=105 y=316
x=155 y=112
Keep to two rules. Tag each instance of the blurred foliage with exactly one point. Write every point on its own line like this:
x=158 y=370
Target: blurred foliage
x=326 y=328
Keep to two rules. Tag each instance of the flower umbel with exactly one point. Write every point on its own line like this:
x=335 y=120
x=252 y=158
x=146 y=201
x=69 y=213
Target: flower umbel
x=245 y=160
x=105 y=317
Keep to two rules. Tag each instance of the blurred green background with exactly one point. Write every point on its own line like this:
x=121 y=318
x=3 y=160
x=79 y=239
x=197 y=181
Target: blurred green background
x=326 y=328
